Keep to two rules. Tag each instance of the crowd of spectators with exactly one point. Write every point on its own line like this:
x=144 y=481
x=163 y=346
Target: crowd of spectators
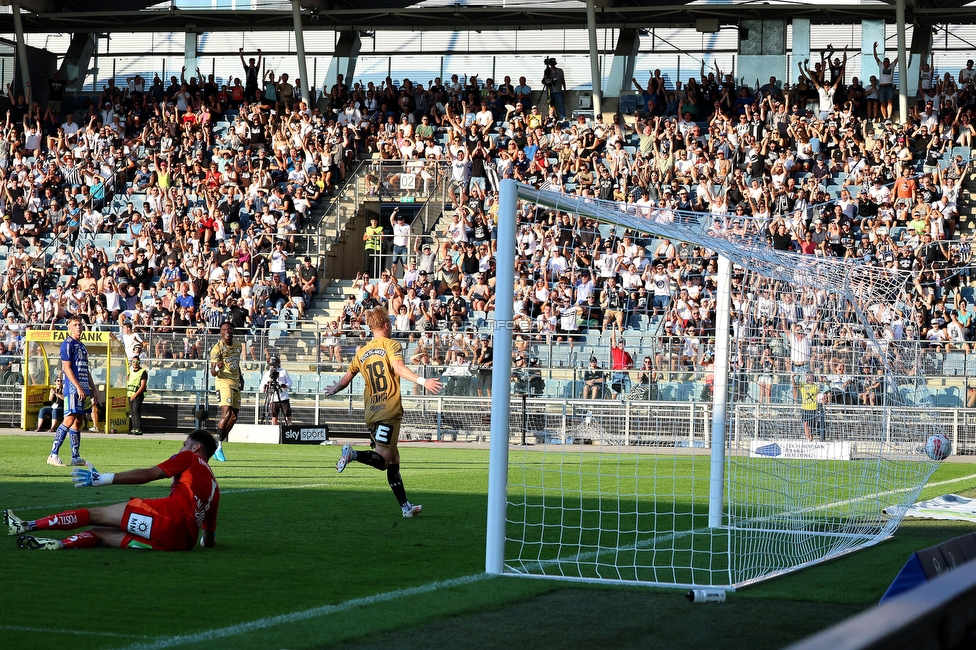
x=172 y=207
x=209 y=215
x=817 y=168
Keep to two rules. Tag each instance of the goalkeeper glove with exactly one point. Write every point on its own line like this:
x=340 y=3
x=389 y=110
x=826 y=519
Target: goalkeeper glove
x=90 y=477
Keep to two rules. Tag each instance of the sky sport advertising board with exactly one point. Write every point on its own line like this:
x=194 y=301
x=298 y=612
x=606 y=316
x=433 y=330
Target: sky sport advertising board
x=304 y=435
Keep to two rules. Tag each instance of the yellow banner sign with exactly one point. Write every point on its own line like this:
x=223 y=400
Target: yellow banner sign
x=58 y=336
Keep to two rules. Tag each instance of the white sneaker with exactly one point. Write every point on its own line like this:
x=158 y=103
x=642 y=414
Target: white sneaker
x=79 y=462
x=344 y=458
x=94 y=430
x=55 y=460
x=411 y=510
x=15 y=525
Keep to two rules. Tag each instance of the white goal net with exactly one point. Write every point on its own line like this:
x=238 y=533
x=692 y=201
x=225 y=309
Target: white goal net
x=821 y=413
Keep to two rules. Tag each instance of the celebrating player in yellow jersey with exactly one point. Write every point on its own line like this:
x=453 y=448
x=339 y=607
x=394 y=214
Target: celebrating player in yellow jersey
x=381 y=362
x=225 y=365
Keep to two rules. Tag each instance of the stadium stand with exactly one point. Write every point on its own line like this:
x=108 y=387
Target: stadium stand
x=174 y=207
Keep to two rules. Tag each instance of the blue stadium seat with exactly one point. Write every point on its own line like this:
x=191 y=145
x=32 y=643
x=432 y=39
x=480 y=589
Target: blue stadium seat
x=948 y=397
x=157 y=380
x=688 y=391
x=252 y=380
x=667 y=391
x=308 y=384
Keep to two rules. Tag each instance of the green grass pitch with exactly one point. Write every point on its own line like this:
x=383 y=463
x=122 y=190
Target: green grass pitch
x=307 y=558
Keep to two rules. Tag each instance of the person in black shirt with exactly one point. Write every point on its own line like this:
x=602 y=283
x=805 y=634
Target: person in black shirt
x=252 y=69
x=594 y=381
x=222 y=254
x=606 y=184
x=55 y=91
x=457 y=307
x=484 y=361
x=236 y=316
x=780 y=237
x=139 y=270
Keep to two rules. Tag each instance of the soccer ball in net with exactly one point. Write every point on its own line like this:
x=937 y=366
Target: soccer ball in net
x=938 y=447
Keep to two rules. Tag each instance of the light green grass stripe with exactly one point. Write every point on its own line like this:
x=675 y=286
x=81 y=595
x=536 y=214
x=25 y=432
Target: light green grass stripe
x=294 y=617
x=96 y=502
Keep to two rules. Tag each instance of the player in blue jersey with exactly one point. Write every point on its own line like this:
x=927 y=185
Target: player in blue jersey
x=80 y=394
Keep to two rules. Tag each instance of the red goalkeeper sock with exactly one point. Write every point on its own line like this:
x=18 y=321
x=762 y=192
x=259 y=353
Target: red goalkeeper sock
x=67 y=520
x=86 y=539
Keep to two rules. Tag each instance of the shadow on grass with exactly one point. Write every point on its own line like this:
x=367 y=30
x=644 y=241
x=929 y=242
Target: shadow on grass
x=278 y=552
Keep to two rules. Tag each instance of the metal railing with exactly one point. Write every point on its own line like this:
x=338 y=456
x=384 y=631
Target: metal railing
x=660 y=423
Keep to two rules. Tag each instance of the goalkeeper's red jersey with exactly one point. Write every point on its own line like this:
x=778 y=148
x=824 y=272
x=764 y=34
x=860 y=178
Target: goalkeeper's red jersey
x=194 y=494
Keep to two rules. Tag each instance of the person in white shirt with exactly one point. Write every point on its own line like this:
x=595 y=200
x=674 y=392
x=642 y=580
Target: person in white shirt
x=279 y=259
x=278 y=401
x=71 y=128
x=401 y=239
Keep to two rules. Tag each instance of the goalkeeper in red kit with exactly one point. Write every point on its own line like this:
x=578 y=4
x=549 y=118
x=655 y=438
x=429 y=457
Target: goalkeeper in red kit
x=168 y=524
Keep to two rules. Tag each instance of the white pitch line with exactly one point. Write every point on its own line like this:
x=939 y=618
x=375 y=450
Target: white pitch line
x=42 y=630
x=304 y=615
x=951 y=480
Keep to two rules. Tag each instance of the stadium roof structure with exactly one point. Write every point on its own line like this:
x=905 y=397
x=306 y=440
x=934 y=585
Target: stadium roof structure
x=93 y=16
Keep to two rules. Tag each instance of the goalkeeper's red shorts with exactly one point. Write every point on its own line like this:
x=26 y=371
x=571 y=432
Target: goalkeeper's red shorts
x=155 y=524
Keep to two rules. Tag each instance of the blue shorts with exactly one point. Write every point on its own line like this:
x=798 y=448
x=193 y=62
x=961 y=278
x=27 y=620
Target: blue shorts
x=886 y=93
x=399 y=254
x=74 y=405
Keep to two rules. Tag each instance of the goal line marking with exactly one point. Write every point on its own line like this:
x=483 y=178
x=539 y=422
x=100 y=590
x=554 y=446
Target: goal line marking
x=304 y=615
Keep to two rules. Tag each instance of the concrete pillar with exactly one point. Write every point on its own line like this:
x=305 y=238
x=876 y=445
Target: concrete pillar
x=343 y=60
x=190 y=53
x=872 y=31
x=75 y=63
x=594 y=58
x=300 y=50
x=800 y=48
x=21 y=52
x=902 y=61
x=622 y=69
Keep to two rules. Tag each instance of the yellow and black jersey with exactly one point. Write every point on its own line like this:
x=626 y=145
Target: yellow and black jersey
x=382 y=395
x=808 y=396
x=231 y=355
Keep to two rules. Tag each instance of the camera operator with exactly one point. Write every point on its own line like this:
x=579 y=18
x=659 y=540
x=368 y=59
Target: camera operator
x=554 y=82
x=276 y=382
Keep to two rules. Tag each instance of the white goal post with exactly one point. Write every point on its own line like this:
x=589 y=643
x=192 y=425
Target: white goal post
x=777 y=482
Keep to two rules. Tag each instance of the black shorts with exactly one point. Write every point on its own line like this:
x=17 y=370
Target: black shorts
x=281 y=408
